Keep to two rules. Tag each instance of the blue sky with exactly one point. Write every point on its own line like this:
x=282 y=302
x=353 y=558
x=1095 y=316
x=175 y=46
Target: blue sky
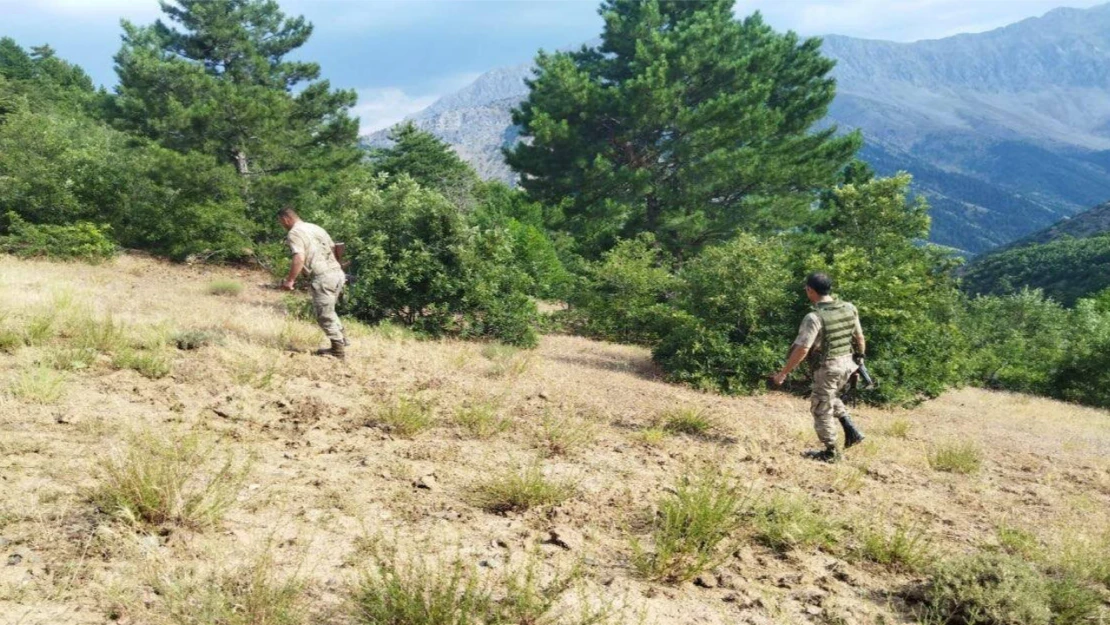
x=403 y=54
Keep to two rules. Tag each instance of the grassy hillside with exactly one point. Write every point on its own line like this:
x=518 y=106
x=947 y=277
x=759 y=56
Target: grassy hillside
x=1068 y=261
x=170 y=454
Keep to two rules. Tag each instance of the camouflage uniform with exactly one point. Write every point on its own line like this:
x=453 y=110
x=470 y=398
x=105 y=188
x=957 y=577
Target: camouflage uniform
x=326 y=275
x=827 y=333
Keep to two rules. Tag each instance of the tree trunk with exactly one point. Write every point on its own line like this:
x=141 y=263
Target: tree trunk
x=241 y=162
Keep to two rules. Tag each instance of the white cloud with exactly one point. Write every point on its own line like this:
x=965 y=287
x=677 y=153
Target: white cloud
x=381 y=108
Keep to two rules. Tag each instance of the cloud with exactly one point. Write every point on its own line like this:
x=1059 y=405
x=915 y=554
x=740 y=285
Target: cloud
x=378 y=109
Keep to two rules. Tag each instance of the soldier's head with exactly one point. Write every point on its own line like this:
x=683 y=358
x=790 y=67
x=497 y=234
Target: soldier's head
x=818 y=286
x=287 y=217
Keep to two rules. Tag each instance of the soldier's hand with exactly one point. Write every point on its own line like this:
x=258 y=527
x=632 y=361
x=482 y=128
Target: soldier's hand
x=778 y=379
x=288 y=285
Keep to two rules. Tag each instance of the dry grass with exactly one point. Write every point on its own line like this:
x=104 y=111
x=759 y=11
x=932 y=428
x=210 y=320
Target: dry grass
x=517 y=490
x=318 y=480
x=956 y=457
x=38 y=385
x=406 y=417
x=156 y=481
x=565 y=436
x=225 y=288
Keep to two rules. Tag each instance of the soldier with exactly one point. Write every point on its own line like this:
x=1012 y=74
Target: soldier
x=827 y=336
x=314 y=252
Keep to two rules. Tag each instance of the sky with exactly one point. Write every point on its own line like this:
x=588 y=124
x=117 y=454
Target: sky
x=401 y=55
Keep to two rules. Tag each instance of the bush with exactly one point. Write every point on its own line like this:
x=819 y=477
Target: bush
x=622 y=293
x=733 y=317
x=791 y=522
x=522 y=489
x=691 y=421
x=157 y=481
x=906 y=547
x=81 y=241
x=691 y=529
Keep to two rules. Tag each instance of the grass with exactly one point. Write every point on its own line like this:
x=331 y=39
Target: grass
x=1018 y=542
x=41 y=327
x=898 y=428
x=150 y=364
x=481 y=420
x=253 y=594
x=85 y=331
x=10 y=340
x=394 y=591
x=906 y=547
x=255 y=372
x=692 y=526
x=225 y=288
x=787 y=522
x=565 y=437
x=956 y=457
x=71 y=358
x=518 y=490
x=157 y=481
x=38 y=385
x=689 y=421
x=508 y=361
x=405 y=417
x=652 y=436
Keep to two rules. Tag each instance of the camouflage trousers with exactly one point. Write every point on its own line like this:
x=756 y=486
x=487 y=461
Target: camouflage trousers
x=325 y=290
x=829 y=382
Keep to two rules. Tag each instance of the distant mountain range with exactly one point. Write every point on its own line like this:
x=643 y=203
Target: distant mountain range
x=1006 y=132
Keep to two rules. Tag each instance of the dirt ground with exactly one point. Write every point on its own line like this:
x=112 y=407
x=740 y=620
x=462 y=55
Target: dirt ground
x=324 y=481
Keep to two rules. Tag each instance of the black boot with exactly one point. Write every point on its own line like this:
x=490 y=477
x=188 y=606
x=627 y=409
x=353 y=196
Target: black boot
x=852 y=436
x=335 y=351
x=829 y=454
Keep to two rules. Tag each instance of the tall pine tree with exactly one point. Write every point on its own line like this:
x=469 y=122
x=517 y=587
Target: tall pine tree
x=215 y=79
x=684 y=122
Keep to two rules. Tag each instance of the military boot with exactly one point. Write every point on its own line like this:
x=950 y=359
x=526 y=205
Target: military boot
x=852 y=436
x=337 y=350
x=830 y=454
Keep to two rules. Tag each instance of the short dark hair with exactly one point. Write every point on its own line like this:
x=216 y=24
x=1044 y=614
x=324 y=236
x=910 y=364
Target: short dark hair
x=287 y=212
x=821 y=283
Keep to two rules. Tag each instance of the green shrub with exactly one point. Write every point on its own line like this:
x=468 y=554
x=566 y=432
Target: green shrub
x=621 y=293
x=195 y=339
x=691 y=421
x=156 y=481
x=956 y=457
x=906 y=547
x=988 y=589
x=227 y=288
x=83 y=241
x=517 y=490
x=692 y=528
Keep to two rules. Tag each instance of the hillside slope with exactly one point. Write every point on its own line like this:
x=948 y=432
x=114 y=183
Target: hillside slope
x=330 y=483
x=1068 y=261
x=1008 y=131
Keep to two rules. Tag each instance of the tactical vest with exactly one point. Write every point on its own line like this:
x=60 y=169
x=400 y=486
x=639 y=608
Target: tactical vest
x=838 y=324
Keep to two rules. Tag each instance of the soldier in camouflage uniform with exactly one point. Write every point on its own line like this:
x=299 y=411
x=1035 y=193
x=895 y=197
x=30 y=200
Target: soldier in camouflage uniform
x=827 y=336
x=314 y=253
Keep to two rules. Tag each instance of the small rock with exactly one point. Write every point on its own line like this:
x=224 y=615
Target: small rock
x=543 y=395
x=565 y=537
x=814 y=610
x=727 y=580
x=14 y=559
x=706 y=581
x=426 y=482
x=608 y=580
x=789 y=581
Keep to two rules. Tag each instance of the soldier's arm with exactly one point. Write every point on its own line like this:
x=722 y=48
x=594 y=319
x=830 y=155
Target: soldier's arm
x=797 y=355
x=294 y=270
x=858 y=339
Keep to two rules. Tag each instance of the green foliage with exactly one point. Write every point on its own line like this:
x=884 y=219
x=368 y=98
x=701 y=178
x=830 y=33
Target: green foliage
x=38 y=385
x=188 y=340
x=427 y=160
x=956 y=457
x=786 y=522
x=151 y=364
x=228 y=288
x=685 y=123
x=81 y=240
x=1066 y=269
x=622 y=293
x=406 y=417
x=691 y=421
x=905 y=547
x=732 y=311
x=694 y=526
x=415 y=260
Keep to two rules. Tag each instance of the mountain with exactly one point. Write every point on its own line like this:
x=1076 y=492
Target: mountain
x=1007 y=131
x=1069 y=260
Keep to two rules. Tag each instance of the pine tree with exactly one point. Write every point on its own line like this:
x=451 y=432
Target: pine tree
x=429 y=161
x=684 y=123
x=215 y=79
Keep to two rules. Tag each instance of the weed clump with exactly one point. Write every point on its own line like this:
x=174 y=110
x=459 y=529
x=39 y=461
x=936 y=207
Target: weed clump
x=691 y=527
x=907 y=547
x=157 y=481
x=38 y=385
x=564 y=437
x=963 y=458
x=406 y=417
x=189 y=340
x=225 y=288
x=150 y=364
x=481 y=420
x=689 y=421
x=522 y=489
x=784 y=523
